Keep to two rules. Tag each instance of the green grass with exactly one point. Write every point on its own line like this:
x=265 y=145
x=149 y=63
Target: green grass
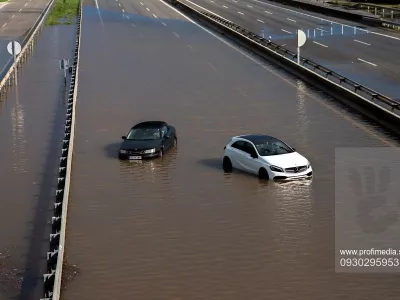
x=3 y=0
x=63 y=12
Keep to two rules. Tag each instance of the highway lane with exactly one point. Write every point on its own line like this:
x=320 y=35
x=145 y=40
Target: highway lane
x=31 y=130
x=179 y=228
x=16 y=18
x=368 y=58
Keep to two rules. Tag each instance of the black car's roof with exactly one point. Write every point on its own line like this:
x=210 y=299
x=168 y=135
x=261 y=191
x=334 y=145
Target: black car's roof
x=150 y=124
x=258 y=138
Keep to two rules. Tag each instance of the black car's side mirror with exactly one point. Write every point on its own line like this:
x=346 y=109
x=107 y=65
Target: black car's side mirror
x=254 y=155
x=124 y=137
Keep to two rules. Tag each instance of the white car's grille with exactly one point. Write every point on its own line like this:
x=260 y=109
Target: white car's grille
x=296 y=169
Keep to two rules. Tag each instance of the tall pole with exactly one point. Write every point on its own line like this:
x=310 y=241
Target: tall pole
x=15 y=63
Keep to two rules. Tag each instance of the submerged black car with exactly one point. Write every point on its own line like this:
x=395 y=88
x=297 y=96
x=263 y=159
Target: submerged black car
x=147 y=140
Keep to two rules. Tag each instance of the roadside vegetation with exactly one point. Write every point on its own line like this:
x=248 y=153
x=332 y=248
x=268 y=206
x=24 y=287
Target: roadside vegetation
x=64 y=12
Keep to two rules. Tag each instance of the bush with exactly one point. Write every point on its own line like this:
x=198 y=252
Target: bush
x=63 y=12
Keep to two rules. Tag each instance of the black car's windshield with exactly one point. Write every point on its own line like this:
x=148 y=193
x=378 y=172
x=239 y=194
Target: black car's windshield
x=144 y=134
x=273 y=147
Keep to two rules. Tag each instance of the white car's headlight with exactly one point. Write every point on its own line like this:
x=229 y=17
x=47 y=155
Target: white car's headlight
x=275 y=168
x=122 y=151
x=150 y=150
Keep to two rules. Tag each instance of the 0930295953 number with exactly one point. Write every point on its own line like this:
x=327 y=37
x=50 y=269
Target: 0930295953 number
x=370 y=262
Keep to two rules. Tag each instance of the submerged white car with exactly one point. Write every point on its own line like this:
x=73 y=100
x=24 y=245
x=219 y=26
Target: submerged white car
x=265 y=156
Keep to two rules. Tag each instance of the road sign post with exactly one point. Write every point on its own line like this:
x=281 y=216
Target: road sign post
x=64 y=66
x=14 y=48
x=301 y=40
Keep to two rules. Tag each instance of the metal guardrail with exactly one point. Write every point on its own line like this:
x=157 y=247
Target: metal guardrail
x=7 y=74
x=55 y=255
x=381 y=11
x=335 y=78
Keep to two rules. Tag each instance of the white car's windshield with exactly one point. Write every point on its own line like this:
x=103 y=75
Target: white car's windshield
x=144 y=134
x=273 y=147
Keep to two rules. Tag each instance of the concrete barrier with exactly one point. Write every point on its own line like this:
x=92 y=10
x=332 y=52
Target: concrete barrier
x=386 y=113
x=55 y=255
x=7 y=74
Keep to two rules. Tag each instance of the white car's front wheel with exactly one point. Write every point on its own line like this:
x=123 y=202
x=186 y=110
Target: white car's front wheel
x=263 y=174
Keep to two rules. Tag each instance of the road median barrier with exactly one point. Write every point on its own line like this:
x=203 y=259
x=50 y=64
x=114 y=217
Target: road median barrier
x=372 y=104
x=55 y=255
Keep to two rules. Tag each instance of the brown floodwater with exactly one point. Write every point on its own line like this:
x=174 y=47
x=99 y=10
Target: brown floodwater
x=31 y=129
x=178 y=227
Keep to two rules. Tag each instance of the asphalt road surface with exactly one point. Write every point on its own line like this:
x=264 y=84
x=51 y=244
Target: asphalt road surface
x=179 y=228
x=369 y=58
x=16 y=18
x=32 y=120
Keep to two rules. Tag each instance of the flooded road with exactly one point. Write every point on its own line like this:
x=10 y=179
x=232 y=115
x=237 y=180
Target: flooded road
x=31 y=131
x=179 y=228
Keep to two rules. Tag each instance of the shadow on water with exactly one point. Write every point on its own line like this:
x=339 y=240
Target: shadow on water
x=212 y=163
x=111 y=150
x=32 y=284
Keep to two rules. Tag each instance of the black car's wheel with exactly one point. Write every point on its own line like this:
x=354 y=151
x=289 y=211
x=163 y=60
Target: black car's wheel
x=175 y=142
x=227 y=165
x=161 y=154
x=263 y=174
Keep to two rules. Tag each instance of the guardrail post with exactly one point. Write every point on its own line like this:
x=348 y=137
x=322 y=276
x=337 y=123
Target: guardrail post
x=48 y=284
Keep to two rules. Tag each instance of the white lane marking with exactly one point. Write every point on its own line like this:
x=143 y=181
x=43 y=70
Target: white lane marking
x=205 y=9
x=234 y=1
x=155 y=16
x=26 y=4
x=291 y=20
x=164 y=24
x=322 y=19
x=4 y=24
x=240 y=13
x=147 y=9
x=13 y=17
x=119 y=4
x=350 y=119
x=367 y=62
x=266 y=11
x=140 y=3
x=320 y=44
x=249 y=6
x=283 y=45
x=133 y=25
x=224 y=6
x=361 y=42
x=177 y=35
x=211 y=1
x=286 y=31
x=21 y=8
x=123 y=10
x=260 y=21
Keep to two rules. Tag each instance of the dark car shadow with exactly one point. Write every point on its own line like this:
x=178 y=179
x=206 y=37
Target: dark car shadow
x=111 y=150
x=213 y=163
